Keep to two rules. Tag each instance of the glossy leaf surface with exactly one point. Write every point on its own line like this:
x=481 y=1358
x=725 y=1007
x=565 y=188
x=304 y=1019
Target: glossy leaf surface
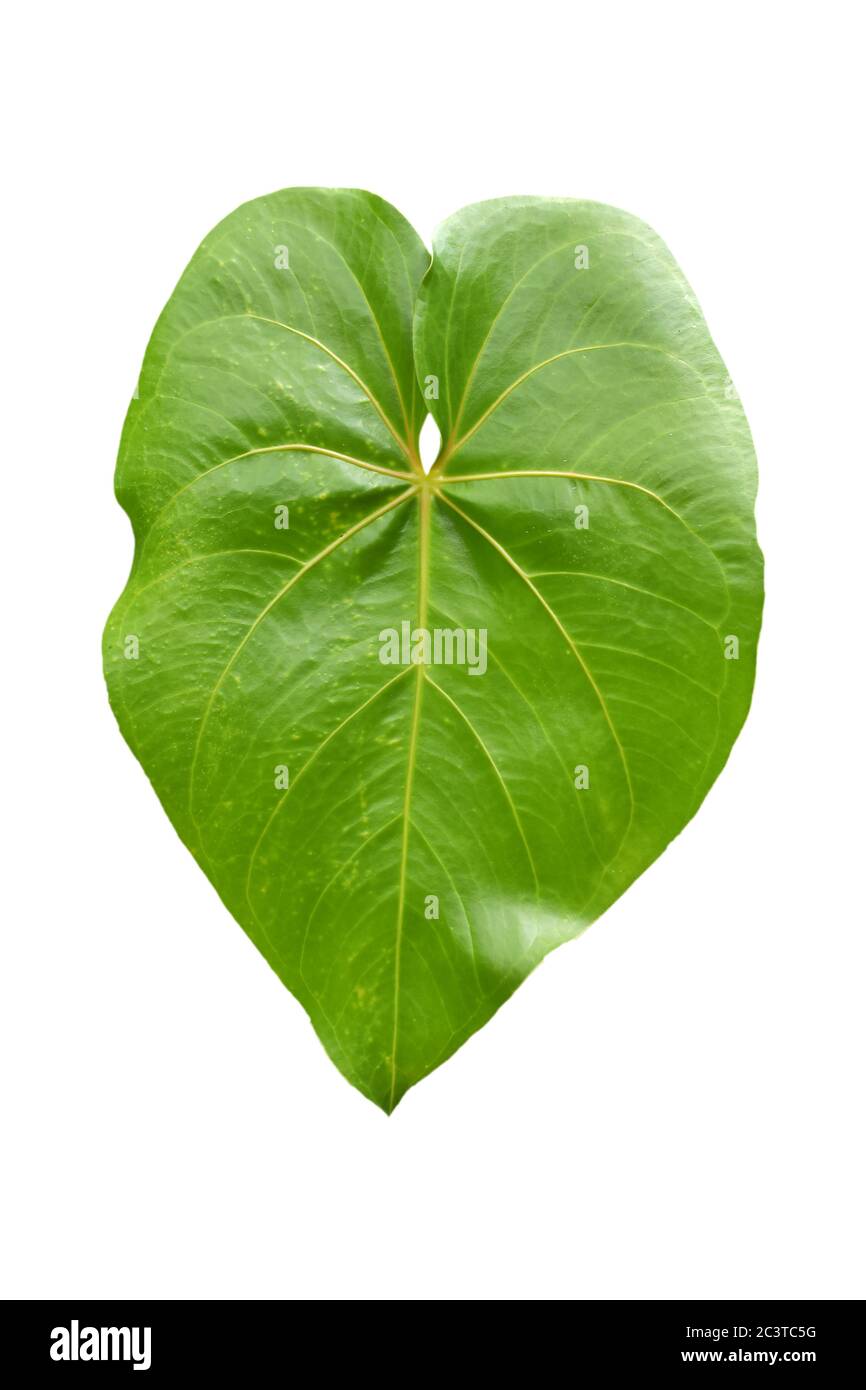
x=404 y=839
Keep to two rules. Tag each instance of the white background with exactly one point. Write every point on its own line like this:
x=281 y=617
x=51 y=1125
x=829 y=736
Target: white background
x=669 y=1107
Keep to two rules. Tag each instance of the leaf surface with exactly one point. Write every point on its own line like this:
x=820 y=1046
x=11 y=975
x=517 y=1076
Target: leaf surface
x=404 y=842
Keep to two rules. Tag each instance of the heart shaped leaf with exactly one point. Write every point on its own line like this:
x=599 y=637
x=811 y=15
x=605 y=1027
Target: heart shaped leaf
x=420 y=729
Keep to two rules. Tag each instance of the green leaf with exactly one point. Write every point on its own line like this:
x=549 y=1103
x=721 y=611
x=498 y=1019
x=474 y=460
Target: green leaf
x=405 y=842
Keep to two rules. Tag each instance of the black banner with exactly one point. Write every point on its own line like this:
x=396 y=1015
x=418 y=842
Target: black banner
x=156 y=1339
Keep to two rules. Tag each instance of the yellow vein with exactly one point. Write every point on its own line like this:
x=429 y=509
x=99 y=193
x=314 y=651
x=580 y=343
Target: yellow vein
x=557 y=357
x=271 y=449
x=376 y=322
x=668 y=719
x=587 y=478
x=209 y=555
x=656 y=661
x=311 y=759
x=623 y=584
x=308 y=337
x=619 y=424
x=447 y=333
x=603 y=232
x=450 y=877
x=280 y=449
x=493 y=322
x=508 y=797
x=359 y=849
x=423 y=585
x=410 y=306
x=386 y=420
x=322 y=554
x=452 y=622
x=509 y=559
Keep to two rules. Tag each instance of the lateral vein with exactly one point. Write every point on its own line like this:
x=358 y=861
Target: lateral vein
x=305 y=569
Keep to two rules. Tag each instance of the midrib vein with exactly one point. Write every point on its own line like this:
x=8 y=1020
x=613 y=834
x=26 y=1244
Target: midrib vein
x=423 y=590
